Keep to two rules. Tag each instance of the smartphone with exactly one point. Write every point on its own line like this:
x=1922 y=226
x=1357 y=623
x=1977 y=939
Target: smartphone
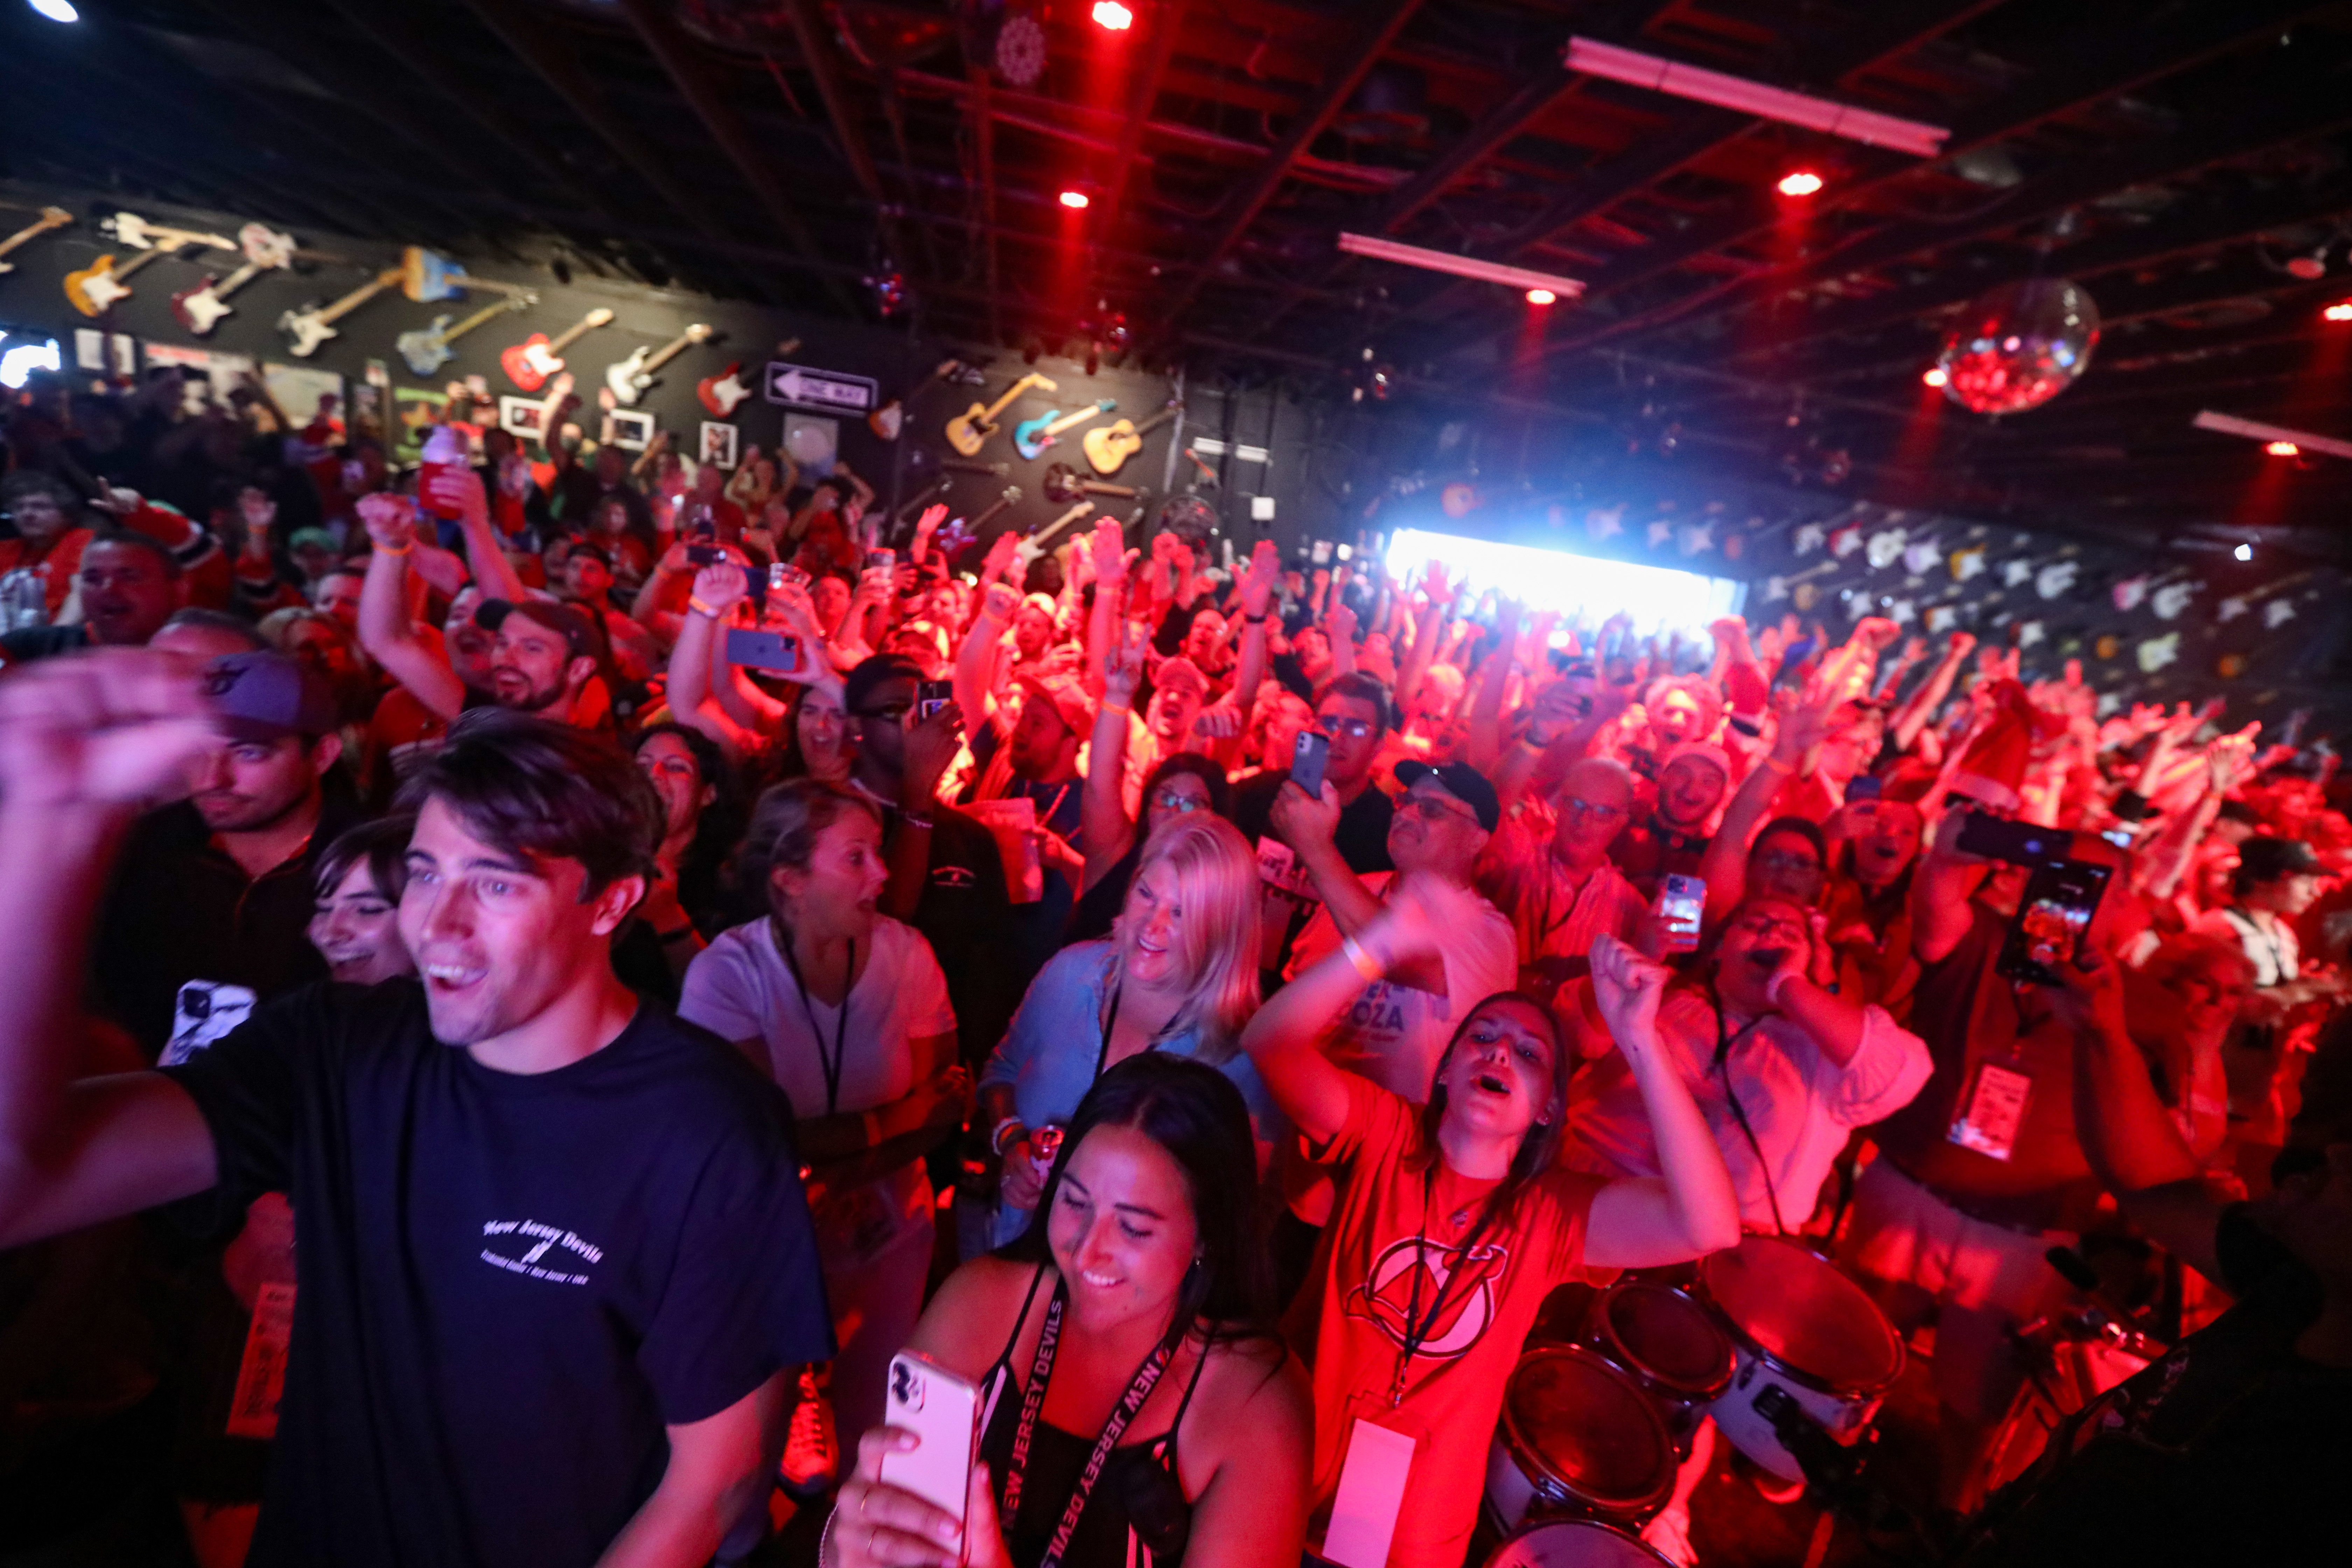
x=755 y=584
x=705 y=554
x=1306 y=759
x=700 y=524
x=884 y=561
x=2053 y=919
x=2016 y=843
x=931 y=696
x=764 y=650
x=941 y=1409
x=1680 y=908
x=784 y=574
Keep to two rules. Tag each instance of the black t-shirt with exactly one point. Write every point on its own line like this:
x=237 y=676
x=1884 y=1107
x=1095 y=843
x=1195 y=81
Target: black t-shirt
x=26 y=644
x=966 y=916
x=2231 y=1448
x=1361 y=837
x=507 y=1284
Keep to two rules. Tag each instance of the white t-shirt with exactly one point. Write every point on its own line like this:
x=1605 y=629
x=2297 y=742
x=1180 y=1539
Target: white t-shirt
x=739 y=988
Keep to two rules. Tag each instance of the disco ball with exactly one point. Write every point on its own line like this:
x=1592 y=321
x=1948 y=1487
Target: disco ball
x=2019 y=345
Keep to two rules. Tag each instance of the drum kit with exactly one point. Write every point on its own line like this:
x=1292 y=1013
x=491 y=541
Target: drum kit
x=1596 y=1416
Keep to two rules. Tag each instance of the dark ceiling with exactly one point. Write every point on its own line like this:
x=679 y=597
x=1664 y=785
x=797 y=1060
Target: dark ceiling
x=2173 y=157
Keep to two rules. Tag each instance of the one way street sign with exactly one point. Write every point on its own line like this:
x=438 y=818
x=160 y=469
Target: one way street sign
x=800 y=386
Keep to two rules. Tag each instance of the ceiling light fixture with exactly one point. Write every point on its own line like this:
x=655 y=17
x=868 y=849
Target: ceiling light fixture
x=1799 y=183
x=1112 y=17
x=1076 y=200
x=1540 y=295
x=2244 y=553
x=2271 y=435
x=2284 y=449
x=2339 y=311
x=1936 y=375
x=56 y=10
x=1873 y=129
x=1381 y=249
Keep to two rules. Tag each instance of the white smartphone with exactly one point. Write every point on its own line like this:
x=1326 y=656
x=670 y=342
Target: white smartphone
x=944 y=1410
x=1681 y=907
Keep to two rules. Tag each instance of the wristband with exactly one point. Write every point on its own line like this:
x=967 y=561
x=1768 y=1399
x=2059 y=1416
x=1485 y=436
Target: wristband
x=404 y=550
x=1777 y=766
x=1365 y=964
x=701 y=606
x=1119 y=707
x=1257 y=620
x=996 y=1137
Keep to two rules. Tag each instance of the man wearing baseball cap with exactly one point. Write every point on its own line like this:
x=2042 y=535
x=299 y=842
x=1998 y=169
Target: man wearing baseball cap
x=545 y=655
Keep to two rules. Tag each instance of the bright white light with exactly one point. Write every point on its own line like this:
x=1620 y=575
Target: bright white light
x=1581 y=587
x=1799 y=183
x=1074 y=200
x=1540 y=295
x=26 y=358
x=56 y=11
x=1112 y=17
x=2244 y=552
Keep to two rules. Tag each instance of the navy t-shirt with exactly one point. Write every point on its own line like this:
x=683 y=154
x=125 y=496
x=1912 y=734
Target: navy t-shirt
x=507 y=1284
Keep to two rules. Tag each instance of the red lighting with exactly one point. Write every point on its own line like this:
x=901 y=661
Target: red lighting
x=2339 y=311
x=1936 y=375
x=1075 y=201
x=1540 y=295
x=2284 y=449
x=1112 y=17
x=1799 y=183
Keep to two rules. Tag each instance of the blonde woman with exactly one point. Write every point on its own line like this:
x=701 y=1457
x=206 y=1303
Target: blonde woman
x=1178 y=974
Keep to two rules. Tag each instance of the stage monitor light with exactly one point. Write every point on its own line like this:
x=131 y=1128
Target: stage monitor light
x=1587 y=588
x=2244 y=553
x=1540 y=295
x=2339 y=311
x=20 y=362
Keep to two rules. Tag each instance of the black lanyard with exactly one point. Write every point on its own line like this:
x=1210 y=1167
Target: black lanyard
x=831 y=1064
x=1724 y=1046
x=1111 y=1022
x=1417 y=1328
x=1033 y=1400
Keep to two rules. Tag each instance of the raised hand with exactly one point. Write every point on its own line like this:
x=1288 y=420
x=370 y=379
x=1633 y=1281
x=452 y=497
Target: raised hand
x=1257 y=582
x=1123 y=663
x=721 y=585
x=1433 y=582
x=460 y=488
x=999 y=555
x=111 y=728
x=1628 y=987
x=932 y=747
x=1108 y=548
x=390 y=519
x=1218 y=722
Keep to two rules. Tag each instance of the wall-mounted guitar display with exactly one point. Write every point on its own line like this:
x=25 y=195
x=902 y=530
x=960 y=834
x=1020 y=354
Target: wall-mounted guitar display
x=313 y=324
x=201 y=308
x=627 y=381
x=426 y=349
x=51 y=217
x=1109 y=448
x=724 y=393
x=100 y=284
x=1012 y=497
x=1032 y=436
x=1064 y=484
x=531 y=361
x=970 y=430
x=1034 y=545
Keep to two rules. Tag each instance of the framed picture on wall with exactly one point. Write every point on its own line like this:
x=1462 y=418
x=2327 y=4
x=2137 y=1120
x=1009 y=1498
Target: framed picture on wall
x=719 y=443
x=630 y=429
x=521 y=417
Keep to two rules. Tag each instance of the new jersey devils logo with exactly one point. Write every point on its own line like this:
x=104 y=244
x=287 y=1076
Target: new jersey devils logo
x=1464 y=1284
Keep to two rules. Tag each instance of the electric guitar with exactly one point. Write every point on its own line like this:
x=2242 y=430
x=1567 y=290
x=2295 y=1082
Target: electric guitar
x=98 y=286
x=314 y=324
x=51 y=217
x=1109 y=448
x=201 y=308
x=720 y=393
x=531 y=361
x=1012 y=497
x=426 y=349
x=970 y=430
x=628 y=379
x=1030 y=549
x=1064 y=485
x=1032 y=436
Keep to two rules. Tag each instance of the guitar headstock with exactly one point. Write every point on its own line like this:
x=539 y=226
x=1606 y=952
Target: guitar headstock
x=265 y=246
x=130 y=228
x=602 y=316
x=699 y=333
x=54 y=217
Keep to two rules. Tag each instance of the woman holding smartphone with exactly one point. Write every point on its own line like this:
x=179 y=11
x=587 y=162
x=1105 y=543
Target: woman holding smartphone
x=1127 y=1333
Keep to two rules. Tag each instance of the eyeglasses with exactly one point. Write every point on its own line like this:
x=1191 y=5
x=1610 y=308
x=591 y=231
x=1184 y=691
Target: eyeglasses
x=1779 y=860
x=1353 y=729
x=1176 y=800
x=1433 y=807
x=1570 y=805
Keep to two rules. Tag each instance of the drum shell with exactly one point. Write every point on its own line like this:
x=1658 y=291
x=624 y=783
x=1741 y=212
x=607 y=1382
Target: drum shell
x=1525 y=1480
x=1706 y=1358
x=1575 y=1543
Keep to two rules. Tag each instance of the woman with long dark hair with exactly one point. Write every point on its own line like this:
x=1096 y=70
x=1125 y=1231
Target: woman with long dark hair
x=1138 y=1406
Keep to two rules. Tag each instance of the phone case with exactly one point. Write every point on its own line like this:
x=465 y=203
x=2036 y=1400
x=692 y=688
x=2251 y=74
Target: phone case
x=942 y=1409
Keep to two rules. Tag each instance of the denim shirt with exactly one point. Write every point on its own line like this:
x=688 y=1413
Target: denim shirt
x=1049 y=1056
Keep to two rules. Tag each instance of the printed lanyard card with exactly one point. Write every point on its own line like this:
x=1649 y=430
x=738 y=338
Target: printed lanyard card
x=1381 y=1441
x=1992 y=1110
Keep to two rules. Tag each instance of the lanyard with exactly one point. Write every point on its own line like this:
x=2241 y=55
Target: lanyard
x=1033 y=1400
x=1724 y=1046
x=1417 y=1328
x=831 y=1064
x=1111 y=1022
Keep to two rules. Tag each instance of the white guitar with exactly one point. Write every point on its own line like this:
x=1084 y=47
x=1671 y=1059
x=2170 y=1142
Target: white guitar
x=201 y=308
x=98 y=286
x=1028 y=553
x=627 y=381
x=314 y=324
x=51 y=217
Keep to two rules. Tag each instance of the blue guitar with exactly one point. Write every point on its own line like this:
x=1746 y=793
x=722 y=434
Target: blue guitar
x=1032 y=436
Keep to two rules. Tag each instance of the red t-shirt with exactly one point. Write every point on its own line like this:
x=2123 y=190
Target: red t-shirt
x=1393 y=1221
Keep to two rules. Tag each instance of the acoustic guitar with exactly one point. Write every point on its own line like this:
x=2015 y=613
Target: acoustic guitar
x=51 y=217
x=426 y=349
x=201 y=308
x=970 y=430
x=1032 y=436
x=531 y=362
x=1109 y=448
x=628 y=379
x=1065 y=485
x=314 y=324
x=98 y=286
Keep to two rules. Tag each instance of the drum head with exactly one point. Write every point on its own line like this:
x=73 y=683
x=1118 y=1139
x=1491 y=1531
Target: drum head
x=1667 y=1336
x=1574 y=1543
x=1804 y=1314
x=1579 y=1426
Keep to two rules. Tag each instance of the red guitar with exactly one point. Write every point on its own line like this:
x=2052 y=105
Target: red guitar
x=529 y=362
x=721 y=393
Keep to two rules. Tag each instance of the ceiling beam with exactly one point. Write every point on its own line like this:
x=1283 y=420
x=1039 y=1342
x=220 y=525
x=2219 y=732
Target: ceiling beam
x=1166 y=22
x=983 y=141
x=822 y=60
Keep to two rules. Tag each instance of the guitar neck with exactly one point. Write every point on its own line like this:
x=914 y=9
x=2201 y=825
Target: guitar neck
x=1071 y=421
x=988 y=415
x=1156 y=420
x=668 y=351
x=39 y=226
x=572 y=335
x=476 y=320
x=358 y=297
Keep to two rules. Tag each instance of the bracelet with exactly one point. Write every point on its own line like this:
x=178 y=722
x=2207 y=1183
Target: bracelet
x=1119 y=707
x=1365 y=964
x=701 y=606
x=911 y=820
x=825 y=1541
x=404 y=550
x=996 y=1137
x=1777 y=766
x=1257 y=620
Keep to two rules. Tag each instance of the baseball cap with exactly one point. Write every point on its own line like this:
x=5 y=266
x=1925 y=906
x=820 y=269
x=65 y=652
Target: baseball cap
x=2265 y=860
x=1179 y=671
x=266 y=696
x=1068 y=696
x=568 y=619
x=1463 y=781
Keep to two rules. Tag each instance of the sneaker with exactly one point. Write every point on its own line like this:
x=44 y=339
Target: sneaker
x=812 y=1452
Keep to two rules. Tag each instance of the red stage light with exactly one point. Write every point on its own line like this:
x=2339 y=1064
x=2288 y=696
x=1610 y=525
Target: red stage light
x=1113 y=16
x=1936 y=375
x=1074 y=200
x=2284 y=449
x=1540 y=295
x=2339 y=311
x=1799 y=183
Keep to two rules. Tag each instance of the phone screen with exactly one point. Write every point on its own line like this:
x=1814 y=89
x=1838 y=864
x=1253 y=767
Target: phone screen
x=1306 y=759
x=1681 y=908
x=2052 y=917
x=2018 y=842
x=705 y=554
x=931 y=696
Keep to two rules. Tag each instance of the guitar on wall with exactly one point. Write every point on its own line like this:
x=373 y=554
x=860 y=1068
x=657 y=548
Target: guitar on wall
x=626 y=382
x=426 y=349
x=722 y=393
x=1109 y=448
x=1028 y=553
x=970 y=430
x=51 y=217
x=1064 y=485
x=314 y=324
x=100 y=284
x=531 y=362
x=1032 y=436
x=201 y=308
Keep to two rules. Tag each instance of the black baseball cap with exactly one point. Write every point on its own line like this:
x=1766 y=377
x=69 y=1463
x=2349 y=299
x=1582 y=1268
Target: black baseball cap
x=569 y=619
x=2267 y=859
x=1463 y=781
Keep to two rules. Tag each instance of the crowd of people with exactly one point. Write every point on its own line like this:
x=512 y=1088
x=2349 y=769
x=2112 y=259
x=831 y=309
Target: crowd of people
x=539 y=978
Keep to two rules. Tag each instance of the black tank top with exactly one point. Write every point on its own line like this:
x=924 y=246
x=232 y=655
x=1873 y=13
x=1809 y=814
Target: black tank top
x=1139 y=1516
